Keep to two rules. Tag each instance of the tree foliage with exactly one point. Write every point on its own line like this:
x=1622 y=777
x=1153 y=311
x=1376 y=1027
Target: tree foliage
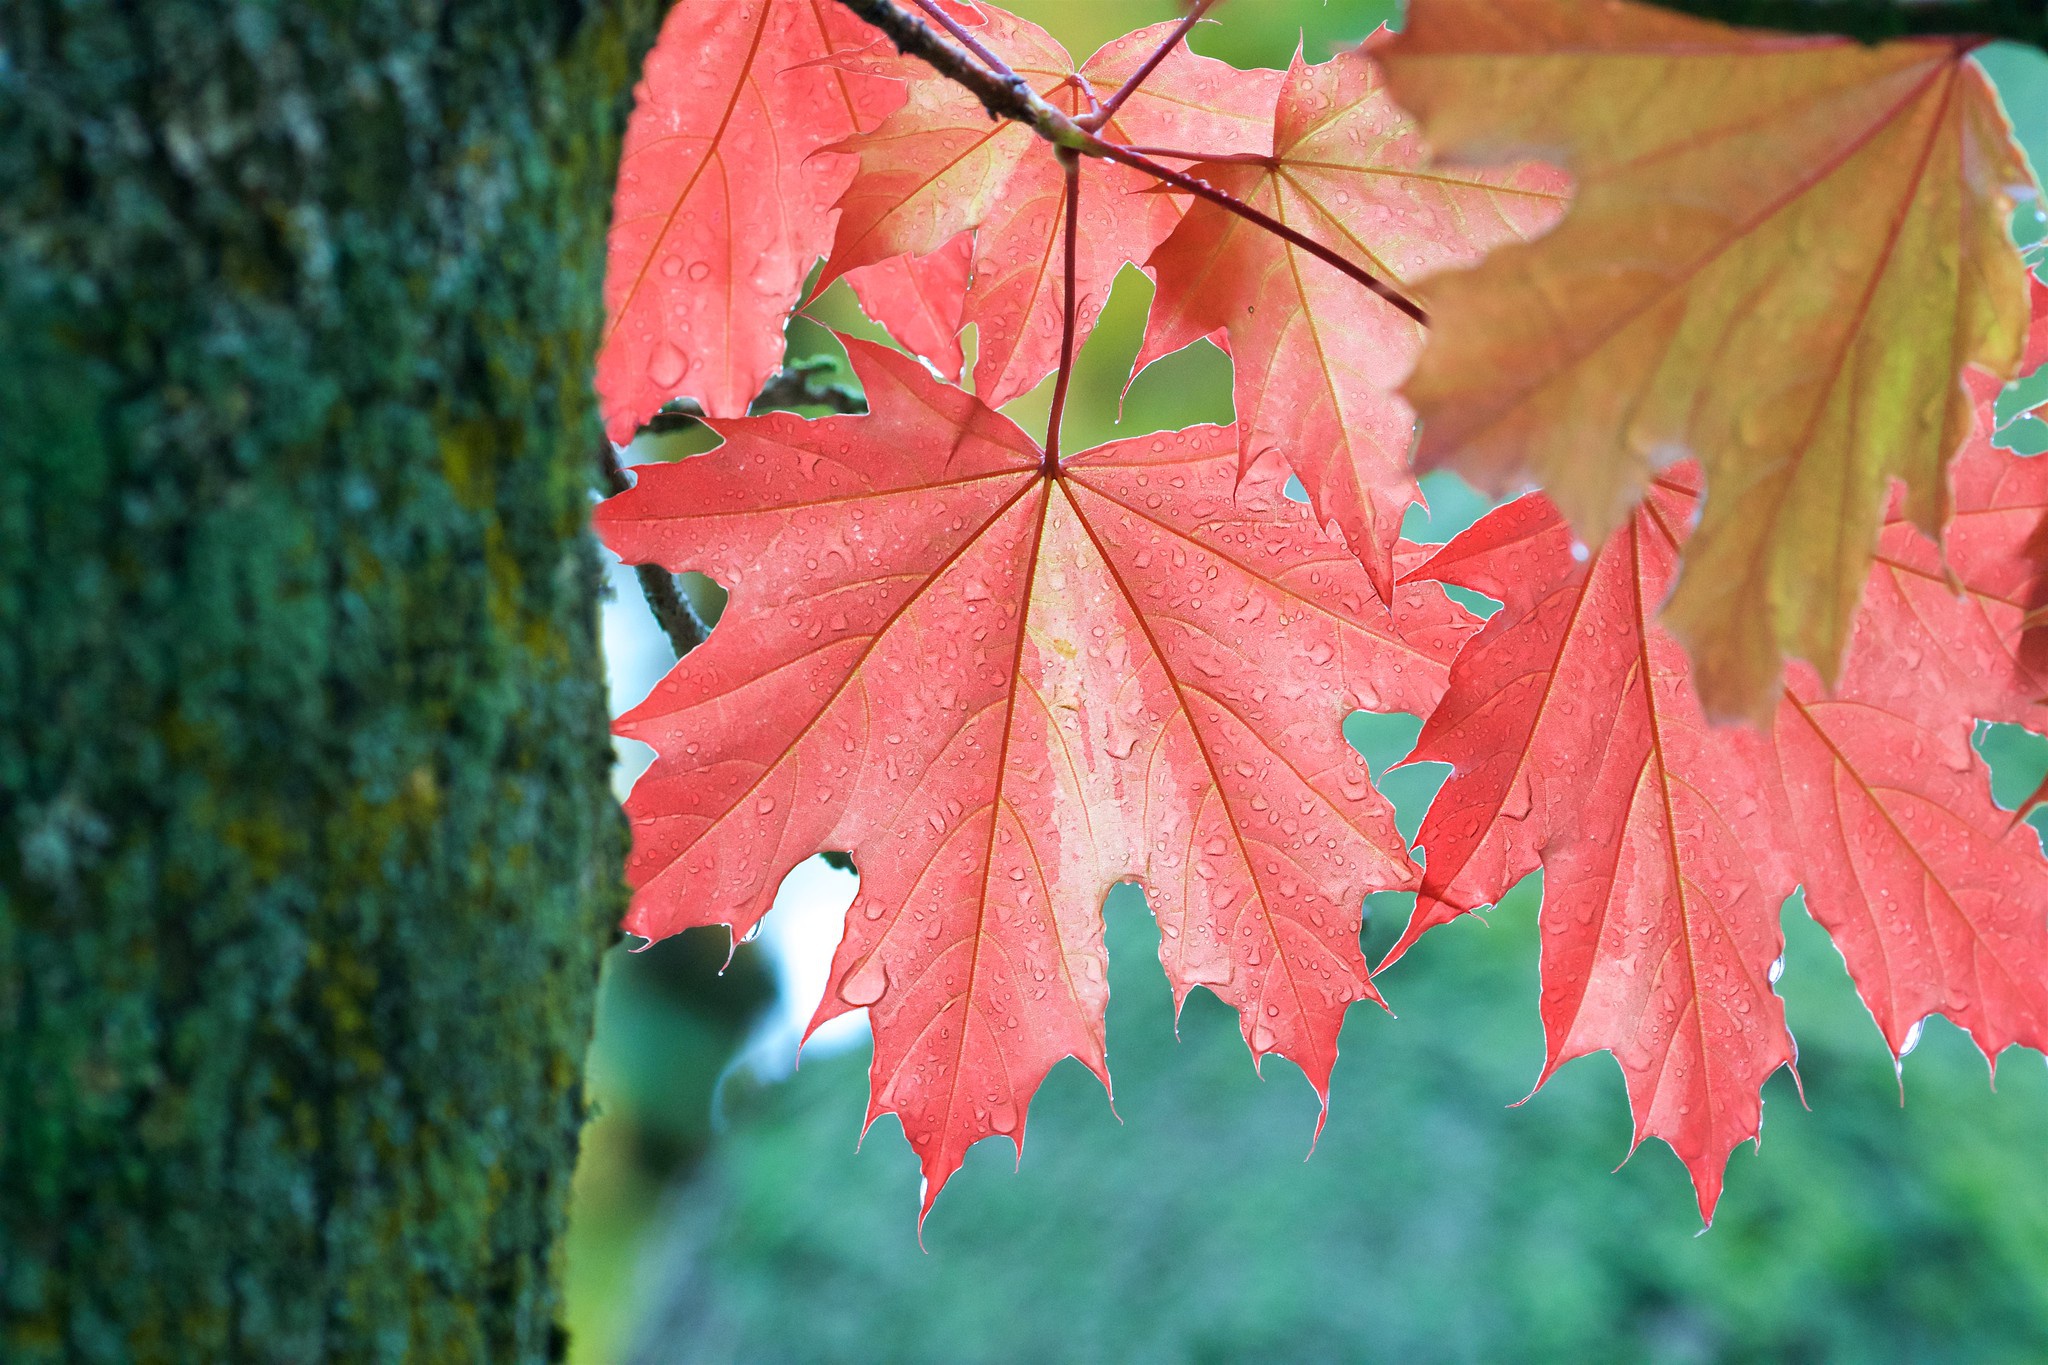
x=1747 y=330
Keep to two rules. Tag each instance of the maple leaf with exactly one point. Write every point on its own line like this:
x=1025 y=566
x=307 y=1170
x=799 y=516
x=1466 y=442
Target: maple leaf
x=1982 y=661
x=1004 y=688
x=1575 y=739
x=922 y=300
x=725 y=199
x=938 y=168
x=1316 y=357
x=1781 y=256
x=1576 y=742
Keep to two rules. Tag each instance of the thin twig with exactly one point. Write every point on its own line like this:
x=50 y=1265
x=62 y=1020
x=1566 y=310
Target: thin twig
x=801 y=386
x=1070 y=163
x=1020 y=103
x=967 y=39
x=793 y=386
x=1204 y=190
x=672 y=611
x=1107 y=111
x=1004 y=96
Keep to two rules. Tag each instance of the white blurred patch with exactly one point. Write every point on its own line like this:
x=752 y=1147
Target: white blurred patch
x=801 y=932
x=799 y=936
x=636 y=657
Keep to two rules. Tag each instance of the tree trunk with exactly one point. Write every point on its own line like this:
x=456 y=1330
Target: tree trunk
x=307 y=850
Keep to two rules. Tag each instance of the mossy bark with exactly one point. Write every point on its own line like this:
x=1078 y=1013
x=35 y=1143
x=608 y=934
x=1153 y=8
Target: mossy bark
x=307 y=851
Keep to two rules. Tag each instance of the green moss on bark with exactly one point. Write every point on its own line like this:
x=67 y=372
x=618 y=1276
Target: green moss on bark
x=306 y=845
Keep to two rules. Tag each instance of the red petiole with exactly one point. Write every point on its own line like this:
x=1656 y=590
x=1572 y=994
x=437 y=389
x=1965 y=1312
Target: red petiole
x=1107 y=111
x=1202 y=189
x=1009 y=95
x=1070 y=163
x=965 y=37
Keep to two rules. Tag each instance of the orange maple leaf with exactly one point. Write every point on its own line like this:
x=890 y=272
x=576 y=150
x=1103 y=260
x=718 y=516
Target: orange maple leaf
x=1318 y=358
x=1782 y=254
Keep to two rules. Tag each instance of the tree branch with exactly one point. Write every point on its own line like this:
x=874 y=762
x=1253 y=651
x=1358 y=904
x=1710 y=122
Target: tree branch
x=676 y=617
x=792 y=386
x=1872 y=21
x=1007 y=96
x=1012 y=98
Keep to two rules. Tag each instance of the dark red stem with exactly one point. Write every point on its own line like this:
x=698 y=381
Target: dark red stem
x=1007 y=95
x=965 y=37
x=1202 y=189
x=672 y=611
x=1123 y=92
x=1071 y=164
x=1243 y=158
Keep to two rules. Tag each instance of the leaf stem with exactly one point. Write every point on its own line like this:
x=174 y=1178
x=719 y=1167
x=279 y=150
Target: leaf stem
x=1010 y=97
x=1243 y=158
x=1013 y=98
x=1202 y=189
x=967 y=39
x=1107 y=111
x=2027 y=807
x=1070 y=164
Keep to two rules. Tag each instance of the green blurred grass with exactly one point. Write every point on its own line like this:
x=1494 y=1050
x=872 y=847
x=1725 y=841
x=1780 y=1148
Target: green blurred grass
x=1432 y=1222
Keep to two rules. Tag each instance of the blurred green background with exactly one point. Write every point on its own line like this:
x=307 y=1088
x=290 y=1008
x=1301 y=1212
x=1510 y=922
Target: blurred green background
x=723 y=1214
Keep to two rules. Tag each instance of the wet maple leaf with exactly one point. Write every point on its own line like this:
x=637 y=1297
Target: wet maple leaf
x=1576 y=742
x=1780 y=260
x=1318 y=357
x=1575 y=739
x=724 y=199
x=1004 y=689
x=923 y=300
x=939 y=167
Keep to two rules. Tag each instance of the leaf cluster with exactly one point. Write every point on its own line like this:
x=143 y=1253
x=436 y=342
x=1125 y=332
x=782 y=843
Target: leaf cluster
x=1740 y=304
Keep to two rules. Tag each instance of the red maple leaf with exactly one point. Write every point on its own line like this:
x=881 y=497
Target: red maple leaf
x=725 y=199
x=922 y=300
x=1317 y=357
x=938 y=168
x=1576 y=741
x=1004 y=684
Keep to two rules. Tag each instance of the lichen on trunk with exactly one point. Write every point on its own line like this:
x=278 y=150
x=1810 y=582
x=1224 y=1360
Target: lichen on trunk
x=307 y=849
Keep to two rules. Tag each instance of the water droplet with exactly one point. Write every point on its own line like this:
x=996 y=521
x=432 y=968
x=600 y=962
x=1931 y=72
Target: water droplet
x=866 y=983
x=667 y=365
x=1515 y=805
x=1912 y=1037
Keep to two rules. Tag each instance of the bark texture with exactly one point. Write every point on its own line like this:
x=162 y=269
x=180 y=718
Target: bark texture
x=307 y=851
x=1874 y=21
